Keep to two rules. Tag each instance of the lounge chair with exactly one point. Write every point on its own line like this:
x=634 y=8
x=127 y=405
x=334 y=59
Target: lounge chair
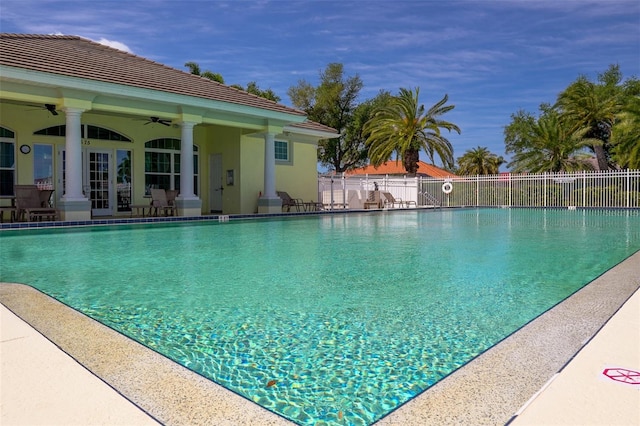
x=289 y=202
x=159 y=202
x=33 y=204
x=389 y=199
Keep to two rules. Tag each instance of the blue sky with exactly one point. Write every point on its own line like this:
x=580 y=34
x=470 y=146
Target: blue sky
x=492 y=57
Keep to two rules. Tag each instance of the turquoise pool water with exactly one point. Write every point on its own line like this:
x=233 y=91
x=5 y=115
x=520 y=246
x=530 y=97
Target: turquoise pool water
x=338 y=318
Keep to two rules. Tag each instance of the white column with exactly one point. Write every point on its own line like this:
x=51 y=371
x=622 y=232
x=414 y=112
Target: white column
x=73 y=159
x=269 y=166
x=186 y=161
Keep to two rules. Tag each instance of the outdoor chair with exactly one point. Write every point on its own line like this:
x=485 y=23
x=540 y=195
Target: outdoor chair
x=391 y=201
x=171 y=196
x=30 y=205
x=289 y=202
x=159 y=202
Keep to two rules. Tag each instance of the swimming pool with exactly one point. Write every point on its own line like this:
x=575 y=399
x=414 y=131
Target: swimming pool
x=345 y=316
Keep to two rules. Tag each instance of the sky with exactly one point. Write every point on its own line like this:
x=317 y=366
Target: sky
x=491 y=57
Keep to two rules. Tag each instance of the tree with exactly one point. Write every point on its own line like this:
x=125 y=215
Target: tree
x=625 y=138
x=404 y=128
x=252 y=87
x=333 y=103
x=194 y=68
x=479 y=161
x=547 y=144
x=595 y=107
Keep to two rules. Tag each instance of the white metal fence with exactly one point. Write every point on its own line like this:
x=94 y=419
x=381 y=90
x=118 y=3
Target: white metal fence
x=614 y=189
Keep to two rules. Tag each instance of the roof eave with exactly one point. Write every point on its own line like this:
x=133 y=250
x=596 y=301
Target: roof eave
x=101 y=88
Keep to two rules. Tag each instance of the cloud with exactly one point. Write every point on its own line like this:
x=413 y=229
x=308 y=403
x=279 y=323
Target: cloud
x=115 y=44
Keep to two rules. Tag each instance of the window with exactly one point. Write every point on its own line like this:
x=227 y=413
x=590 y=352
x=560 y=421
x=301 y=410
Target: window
x=7 y=161
x=87 y=132
x=162 y=165
x=282 y=150
x=43 y=166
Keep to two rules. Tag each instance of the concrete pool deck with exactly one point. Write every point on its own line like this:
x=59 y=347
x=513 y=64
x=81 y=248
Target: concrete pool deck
x=85 y=373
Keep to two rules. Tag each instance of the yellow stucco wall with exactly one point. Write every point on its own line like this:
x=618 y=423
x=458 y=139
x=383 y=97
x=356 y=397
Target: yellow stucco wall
x=299 y=179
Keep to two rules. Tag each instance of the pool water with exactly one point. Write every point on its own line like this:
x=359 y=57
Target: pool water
x=326 y=319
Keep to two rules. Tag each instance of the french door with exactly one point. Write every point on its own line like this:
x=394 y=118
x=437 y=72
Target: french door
x=98 y=181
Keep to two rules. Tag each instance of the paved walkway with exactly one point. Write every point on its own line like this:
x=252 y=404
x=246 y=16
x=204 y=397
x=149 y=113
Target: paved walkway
x=581 y=394
x=42 y=385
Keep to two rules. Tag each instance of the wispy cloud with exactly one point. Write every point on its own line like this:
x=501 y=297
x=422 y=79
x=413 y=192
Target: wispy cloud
x=115 y=44
x=492 y=57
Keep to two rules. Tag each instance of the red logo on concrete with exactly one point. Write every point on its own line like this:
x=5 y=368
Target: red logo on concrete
x=623 y=375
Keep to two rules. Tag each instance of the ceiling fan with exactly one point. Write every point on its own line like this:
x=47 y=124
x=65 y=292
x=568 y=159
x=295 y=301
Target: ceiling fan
x=49 y=107
x=158 y=120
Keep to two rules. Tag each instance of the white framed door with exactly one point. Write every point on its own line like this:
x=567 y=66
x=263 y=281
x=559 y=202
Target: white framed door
x=98 y=181
x=215 y=183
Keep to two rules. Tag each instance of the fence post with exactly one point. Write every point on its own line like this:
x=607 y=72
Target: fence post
x=344 y=192
x=544 y=191
x=331 y=194
x=584 y=188
x=628 y=189
x=510 y=205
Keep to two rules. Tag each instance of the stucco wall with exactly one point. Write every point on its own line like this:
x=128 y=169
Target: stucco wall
x=299 y=179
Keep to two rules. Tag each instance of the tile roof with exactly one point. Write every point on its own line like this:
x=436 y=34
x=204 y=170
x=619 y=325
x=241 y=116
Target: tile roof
x=396 y=168
x=78 y=57
x=312 y=125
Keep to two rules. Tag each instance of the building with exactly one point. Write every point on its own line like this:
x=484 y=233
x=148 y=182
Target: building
x=102 y=127
x=395 y=168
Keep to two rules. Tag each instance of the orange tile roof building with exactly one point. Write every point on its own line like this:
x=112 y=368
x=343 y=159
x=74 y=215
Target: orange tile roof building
x=396 y=168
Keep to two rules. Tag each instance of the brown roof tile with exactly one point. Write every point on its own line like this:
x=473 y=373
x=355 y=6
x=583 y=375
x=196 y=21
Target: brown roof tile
x=78 y=57
x=312 y=125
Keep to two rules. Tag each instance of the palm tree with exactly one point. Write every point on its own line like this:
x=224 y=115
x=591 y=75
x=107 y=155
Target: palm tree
x=554 y=147
x=194 y=68
x=403 y=127
x=590 y=106
x=479 y=161
x=625 y=138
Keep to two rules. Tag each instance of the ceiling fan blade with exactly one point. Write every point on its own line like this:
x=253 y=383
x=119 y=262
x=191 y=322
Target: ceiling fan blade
x=51 y=108
x=165 y=122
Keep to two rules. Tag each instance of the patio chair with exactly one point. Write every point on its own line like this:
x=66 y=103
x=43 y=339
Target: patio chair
x=390 y=200
x=30 y=205
x=289 y=202
x=159 y=202
x=171 y=196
